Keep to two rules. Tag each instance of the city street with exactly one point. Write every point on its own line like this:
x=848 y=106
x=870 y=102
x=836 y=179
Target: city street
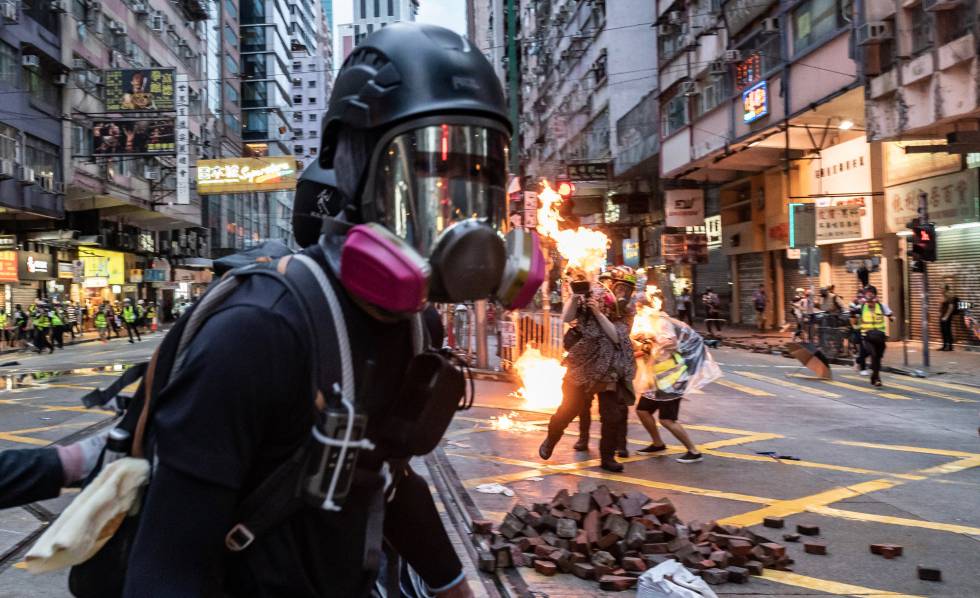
x=897 y=465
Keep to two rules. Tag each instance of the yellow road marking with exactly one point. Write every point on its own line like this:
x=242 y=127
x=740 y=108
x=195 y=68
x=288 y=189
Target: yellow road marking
x=946 y=385
x=904 y=521
x=870 y=390
x=921 y=391
x=755 y=392
x=602 y=475
x=716 y=444
x=825 y=585
x=785 y=508
x=721 y=430
x=508 y=477
x=18 y=435
x=813 y=464
x=907 y=449
x=787 y=383
x=952 y=467
x=23 y=439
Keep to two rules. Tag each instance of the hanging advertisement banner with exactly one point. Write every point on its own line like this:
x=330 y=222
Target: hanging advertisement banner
x=32 y=265
x=631 y=253
x=108 y=265
x=953 y=199
x=838 y=181
x=684 y=207
x=8 y=266
x=131 y=137
x=183 y=105
x=242 y=175
x=138 y=90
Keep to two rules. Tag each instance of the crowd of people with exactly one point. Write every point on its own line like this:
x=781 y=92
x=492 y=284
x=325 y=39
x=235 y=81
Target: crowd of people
x=44 y=324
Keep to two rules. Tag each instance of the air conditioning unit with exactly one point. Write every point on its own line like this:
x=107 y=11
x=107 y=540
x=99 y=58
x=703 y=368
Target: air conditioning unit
x=116 y=58
x=689 y=88
x=187 y=54
x=770 y=25
x=182 y=43
x=61 y=79
x=171 y=29
x=874 y=32
x=934 y=5
x=26 y=175
x=732 y=56
x=141 y=8
x=7 y=168
x=46 y=182
x=59 y=7
x=79 y=64
x=151 y=174
x=9 y=11
x=157 y=23
x=717 y=67
x=31 y=61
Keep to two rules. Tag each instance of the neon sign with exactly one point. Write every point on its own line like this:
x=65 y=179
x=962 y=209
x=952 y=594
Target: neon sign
x=755 y=102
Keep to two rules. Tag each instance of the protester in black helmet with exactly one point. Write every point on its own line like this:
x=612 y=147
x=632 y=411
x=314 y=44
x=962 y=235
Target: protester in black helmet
x=417 y=133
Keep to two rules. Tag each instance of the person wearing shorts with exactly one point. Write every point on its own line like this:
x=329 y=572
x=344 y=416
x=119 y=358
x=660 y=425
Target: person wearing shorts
x=669 y=407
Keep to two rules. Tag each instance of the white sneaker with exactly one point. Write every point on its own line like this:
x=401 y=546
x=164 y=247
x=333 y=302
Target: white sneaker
x=865 y=372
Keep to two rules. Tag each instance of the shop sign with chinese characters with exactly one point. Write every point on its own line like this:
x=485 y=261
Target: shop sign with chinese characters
x=952 y=199
x=839 y=219
x=239 y=175
x=183 y=134
x=755 y=102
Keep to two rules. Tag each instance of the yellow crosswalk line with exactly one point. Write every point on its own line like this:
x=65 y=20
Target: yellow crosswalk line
x=908 y=449
x=922 y=391
x=826 y=585
x=755 y=392
x=788 y=384
x=852 y=387
x=947 y=385
x=904 y=521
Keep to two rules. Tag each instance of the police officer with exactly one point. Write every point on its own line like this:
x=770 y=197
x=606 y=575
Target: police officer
x=414 y=110
x=873 y=327
x=42 y=326
x=131 y=318
x=55 y=315
x=101 y=321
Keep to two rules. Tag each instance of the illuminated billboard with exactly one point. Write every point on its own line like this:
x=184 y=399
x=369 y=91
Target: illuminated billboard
x=755 y=102
x=239 y=175
x=139 y=90
x=130 y=137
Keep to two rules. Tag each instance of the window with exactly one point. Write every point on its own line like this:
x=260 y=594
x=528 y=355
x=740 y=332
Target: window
x=297 y=66
x=298 y=150
x=712 y=91
x=955 y=23
x=391 y=8
x=363 y=9
x=599 y=68
x=311 y=100
x=311 y=66
x=675 y=113
x=43 y=157
x=311 y=117
x=311 y=83
x=232 y=122
x=370 y=28
x=312 y=133
x=43 y=92
x=377 y=8
x=231 y=37
x=297 y=117
x=231 y=66
x=297 y=99
x=255 y=95
x=231 y=10
x=231 y=94
x=921 y=22
x=9 y=65
x=813 y=21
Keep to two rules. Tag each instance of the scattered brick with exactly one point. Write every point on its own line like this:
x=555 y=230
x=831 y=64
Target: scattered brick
x=581 y=502
x=602 y=497
x=632 y=563
x=889 y=551
x=754 y=567
x=662 y=508
x=774 y=522
x=773 y=549
x=791 y=537
x=715 y=576
x=739 y=547
x=815 y=548
x=517 y=557
x=929 y=573
x=636 y=535
x=616 y=583
x=720 y=557
x=486 y=561
x=583 y=570
x=603 y=558
x=705 y=564
x=482 y=526
x=591 y=526
x=654 y=548
x=808 y=530
x=616 y=524
x=567 y=528
x=543 y=551
x=545 y=568
x=737 y=574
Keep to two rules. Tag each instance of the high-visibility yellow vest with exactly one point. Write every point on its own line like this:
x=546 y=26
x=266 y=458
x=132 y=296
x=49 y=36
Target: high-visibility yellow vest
x=56 y=319
x=669 y=371
x=872 y=320
x=3 y=320
x=42 y=320
x=129 y=315
x=100 y=321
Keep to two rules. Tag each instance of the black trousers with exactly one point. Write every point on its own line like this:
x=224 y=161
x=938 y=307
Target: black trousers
x=41 y=340
x=946 y=327
x=611 y=412
x=686 y=315
x=872 y=345
x=58 y=336
x=712 y=315
x=130 y=329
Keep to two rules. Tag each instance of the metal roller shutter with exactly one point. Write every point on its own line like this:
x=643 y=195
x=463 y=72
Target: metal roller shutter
x=23 y=295
x=750 y=276
x=792 y=280
x=846 y=283
x=958 y=266
x=714 y=275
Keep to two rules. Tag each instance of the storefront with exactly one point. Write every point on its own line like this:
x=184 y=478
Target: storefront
x=35 y=271
x=8 y=278
x=104 y=274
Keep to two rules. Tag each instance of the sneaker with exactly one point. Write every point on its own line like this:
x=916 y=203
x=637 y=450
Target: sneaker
x=876 y=383
x=653 y=448
x=611 y=465
x=865 y=372
x=690 y=457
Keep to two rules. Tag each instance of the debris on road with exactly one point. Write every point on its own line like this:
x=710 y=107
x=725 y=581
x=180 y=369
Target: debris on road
x=813 y=547
x=808 y=530
x=929 y=573
x=613 y=538
x=494 y=489
x=889 y=551
x=774 y=522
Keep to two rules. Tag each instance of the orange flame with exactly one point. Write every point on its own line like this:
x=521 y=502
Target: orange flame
x=645 y=326
x=583 y=248
x=541 y=379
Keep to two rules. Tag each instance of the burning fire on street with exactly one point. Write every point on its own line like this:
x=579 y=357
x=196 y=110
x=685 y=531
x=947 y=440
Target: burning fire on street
x=511 y=423
x=583 y=248
x=645 y=326
x=541 y=379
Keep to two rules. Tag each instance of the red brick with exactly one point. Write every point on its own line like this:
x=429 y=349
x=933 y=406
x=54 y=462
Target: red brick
x=774 y=522
x=754 y=567
x=543 y=551
x=603 y=558
x=720 y=557
x=773 y=549
x=738 y=574
x=929 y=573
x=602 y=497
x=616 y=583
x=517 y=557
x=715 y=576
x=655 y=548
x=661 y=508
x=808 y=530
x=563 y=498
x=545 y=568
x=482 y=526
x=583 y=570
x=889 y=551
x=486 y=561
x=791 y=537
x=599 y=571
x=632 y=563
x=581 y=502
x=740 y=547
x=815 y=548
x=706 y=564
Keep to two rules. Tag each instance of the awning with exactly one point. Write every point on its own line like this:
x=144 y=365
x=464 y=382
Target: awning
x=194 y=262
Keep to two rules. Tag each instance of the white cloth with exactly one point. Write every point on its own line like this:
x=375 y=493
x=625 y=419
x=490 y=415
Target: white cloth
x=671 y=580
x=91 y=519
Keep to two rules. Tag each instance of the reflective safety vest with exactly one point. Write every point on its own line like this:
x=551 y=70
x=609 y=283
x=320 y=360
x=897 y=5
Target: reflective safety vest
x=41 y=320
x=3 y=320
x=100 y=321
x=56 y=319
x=129 y=315
x=669 y=371
x=872 y=320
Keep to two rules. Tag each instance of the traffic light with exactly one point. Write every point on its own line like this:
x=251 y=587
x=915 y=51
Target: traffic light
x=566 y=189
x=924 y=242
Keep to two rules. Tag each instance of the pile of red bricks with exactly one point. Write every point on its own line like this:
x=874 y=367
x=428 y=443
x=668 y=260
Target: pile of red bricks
x=613 y=538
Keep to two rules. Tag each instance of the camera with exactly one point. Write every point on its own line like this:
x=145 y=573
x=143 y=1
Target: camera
x=581 y=287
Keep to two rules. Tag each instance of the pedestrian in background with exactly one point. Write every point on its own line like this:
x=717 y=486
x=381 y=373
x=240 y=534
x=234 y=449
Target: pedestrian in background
x=71 y=316
x=5 y=327
x=42 y=327
x=873 y=332
x=712 y=308
x=20 y=324
x=101 y=321
x=112 y=314
x=151 y=316
x=759 y=302
x=55 y=315
x=685 y=311
x=947 y=310
x=131 y=320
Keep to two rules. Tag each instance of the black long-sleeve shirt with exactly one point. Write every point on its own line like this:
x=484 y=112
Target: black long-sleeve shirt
x=239 y=407
x=28 y=475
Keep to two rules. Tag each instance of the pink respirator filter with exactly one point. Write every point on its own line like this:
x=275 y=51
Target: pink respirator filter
x=381 y=269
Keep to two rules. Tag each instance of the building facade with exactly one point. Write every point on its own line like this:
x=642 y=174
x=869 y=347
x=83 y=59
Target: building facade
x=312 y=75
x=371 y=15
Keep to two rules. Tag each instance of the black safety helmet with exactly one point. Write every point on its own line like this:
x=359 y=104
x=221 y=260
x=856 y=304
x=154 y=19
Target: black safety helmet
x=313 y=200
x=394 y=82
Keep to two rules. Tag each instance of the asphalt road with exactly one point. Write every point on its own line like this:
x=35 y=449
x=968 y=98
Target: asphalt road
x=899 y=464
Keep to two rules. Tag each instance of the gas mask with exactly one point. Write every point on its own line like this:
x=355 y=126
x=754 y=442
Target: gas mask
x=433 y=194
